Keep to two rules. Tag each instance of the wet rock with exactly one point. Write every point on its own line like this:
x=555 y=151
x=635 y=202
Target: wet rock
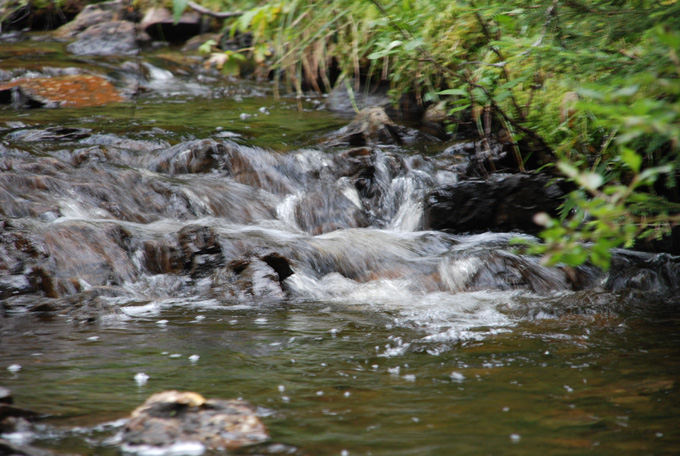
x=108 y=38
x=370 y=125
x=643 y=271
x=256 y=278
x=500 y=203
x=21 y=253
x=499 y=271
x=8 y=448
x=341 y=100
x=49 y=134
x=75 y=91
x=5 y=396
x=477 y=158
x=172 y=417
x=373 y=125
x=92 y=15
x=201 y=250
x=160 y=24
x=200 y=156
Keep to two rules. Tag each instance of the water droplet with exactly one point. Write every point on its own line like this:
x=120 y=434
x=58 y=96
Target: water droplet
x=14 y=368
x=141 y=378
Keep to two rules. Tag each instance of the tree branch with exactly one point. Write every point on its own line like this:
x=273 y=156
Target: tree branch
x=221 y=14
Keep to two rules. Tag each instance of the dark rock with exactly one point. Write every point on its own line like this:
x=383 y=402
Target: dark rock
x=49 y=134
x=500 y=203
x=643 y=271
x=256 y=278
x=172 y=416
x=108 y=38
x=160 y=24
x=280 y=264
x=478 y=158
x=201 y=250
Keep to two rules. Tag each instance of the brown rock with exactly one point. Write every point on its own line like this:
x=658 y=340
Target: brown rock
x=174 y=416
x=74 y=91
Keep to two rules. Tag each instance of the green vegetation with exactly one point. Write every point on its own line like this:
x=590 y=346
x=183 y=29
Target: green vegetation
x=595 y=83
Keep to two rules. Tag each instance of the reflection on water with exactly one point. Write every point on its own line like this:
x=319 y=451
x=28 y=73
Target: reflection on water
x=364 y=378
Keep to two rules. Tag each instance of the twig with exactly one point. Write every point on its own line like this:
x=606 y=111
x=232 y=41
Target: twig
x=220 y=14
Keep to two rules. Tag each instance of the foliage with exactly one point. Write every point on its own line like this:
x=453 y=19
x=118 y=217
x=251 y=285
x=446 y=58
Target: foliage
x=594 y=82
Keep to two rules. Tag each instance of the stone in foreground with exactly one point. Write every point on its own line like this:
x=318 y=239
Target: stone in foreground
x=173 y=417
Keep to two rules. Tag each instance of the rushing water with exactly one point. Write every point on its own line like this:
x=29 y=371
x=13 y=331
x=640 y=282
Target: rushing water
x=383 y=340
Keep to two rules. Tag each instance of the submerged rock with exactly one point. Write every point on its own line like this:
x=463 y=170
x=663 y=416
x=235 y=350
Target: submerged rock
x=173 y=417
x=373 y=125
x=501 y=203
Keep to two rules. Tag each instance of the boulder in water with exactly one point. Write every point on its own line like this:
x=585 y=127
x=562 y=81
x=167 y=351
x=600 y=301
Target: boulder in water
x=373 y=125
x=73 y=91
x=173 y=417
x=643 y=271
x=108 y=38
x=501 y=203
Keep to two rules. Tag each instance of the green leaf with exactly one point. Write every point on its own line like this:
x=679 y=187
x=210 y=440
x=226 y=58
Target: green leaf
x=631 y=158
x=461 y=92
x=590 y=181
x=458 y=108
x=206 y=47
x=178 y=7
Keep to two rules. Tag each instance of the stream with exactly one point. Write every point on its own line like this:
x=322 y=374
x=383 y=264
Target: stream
x=205 y=234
